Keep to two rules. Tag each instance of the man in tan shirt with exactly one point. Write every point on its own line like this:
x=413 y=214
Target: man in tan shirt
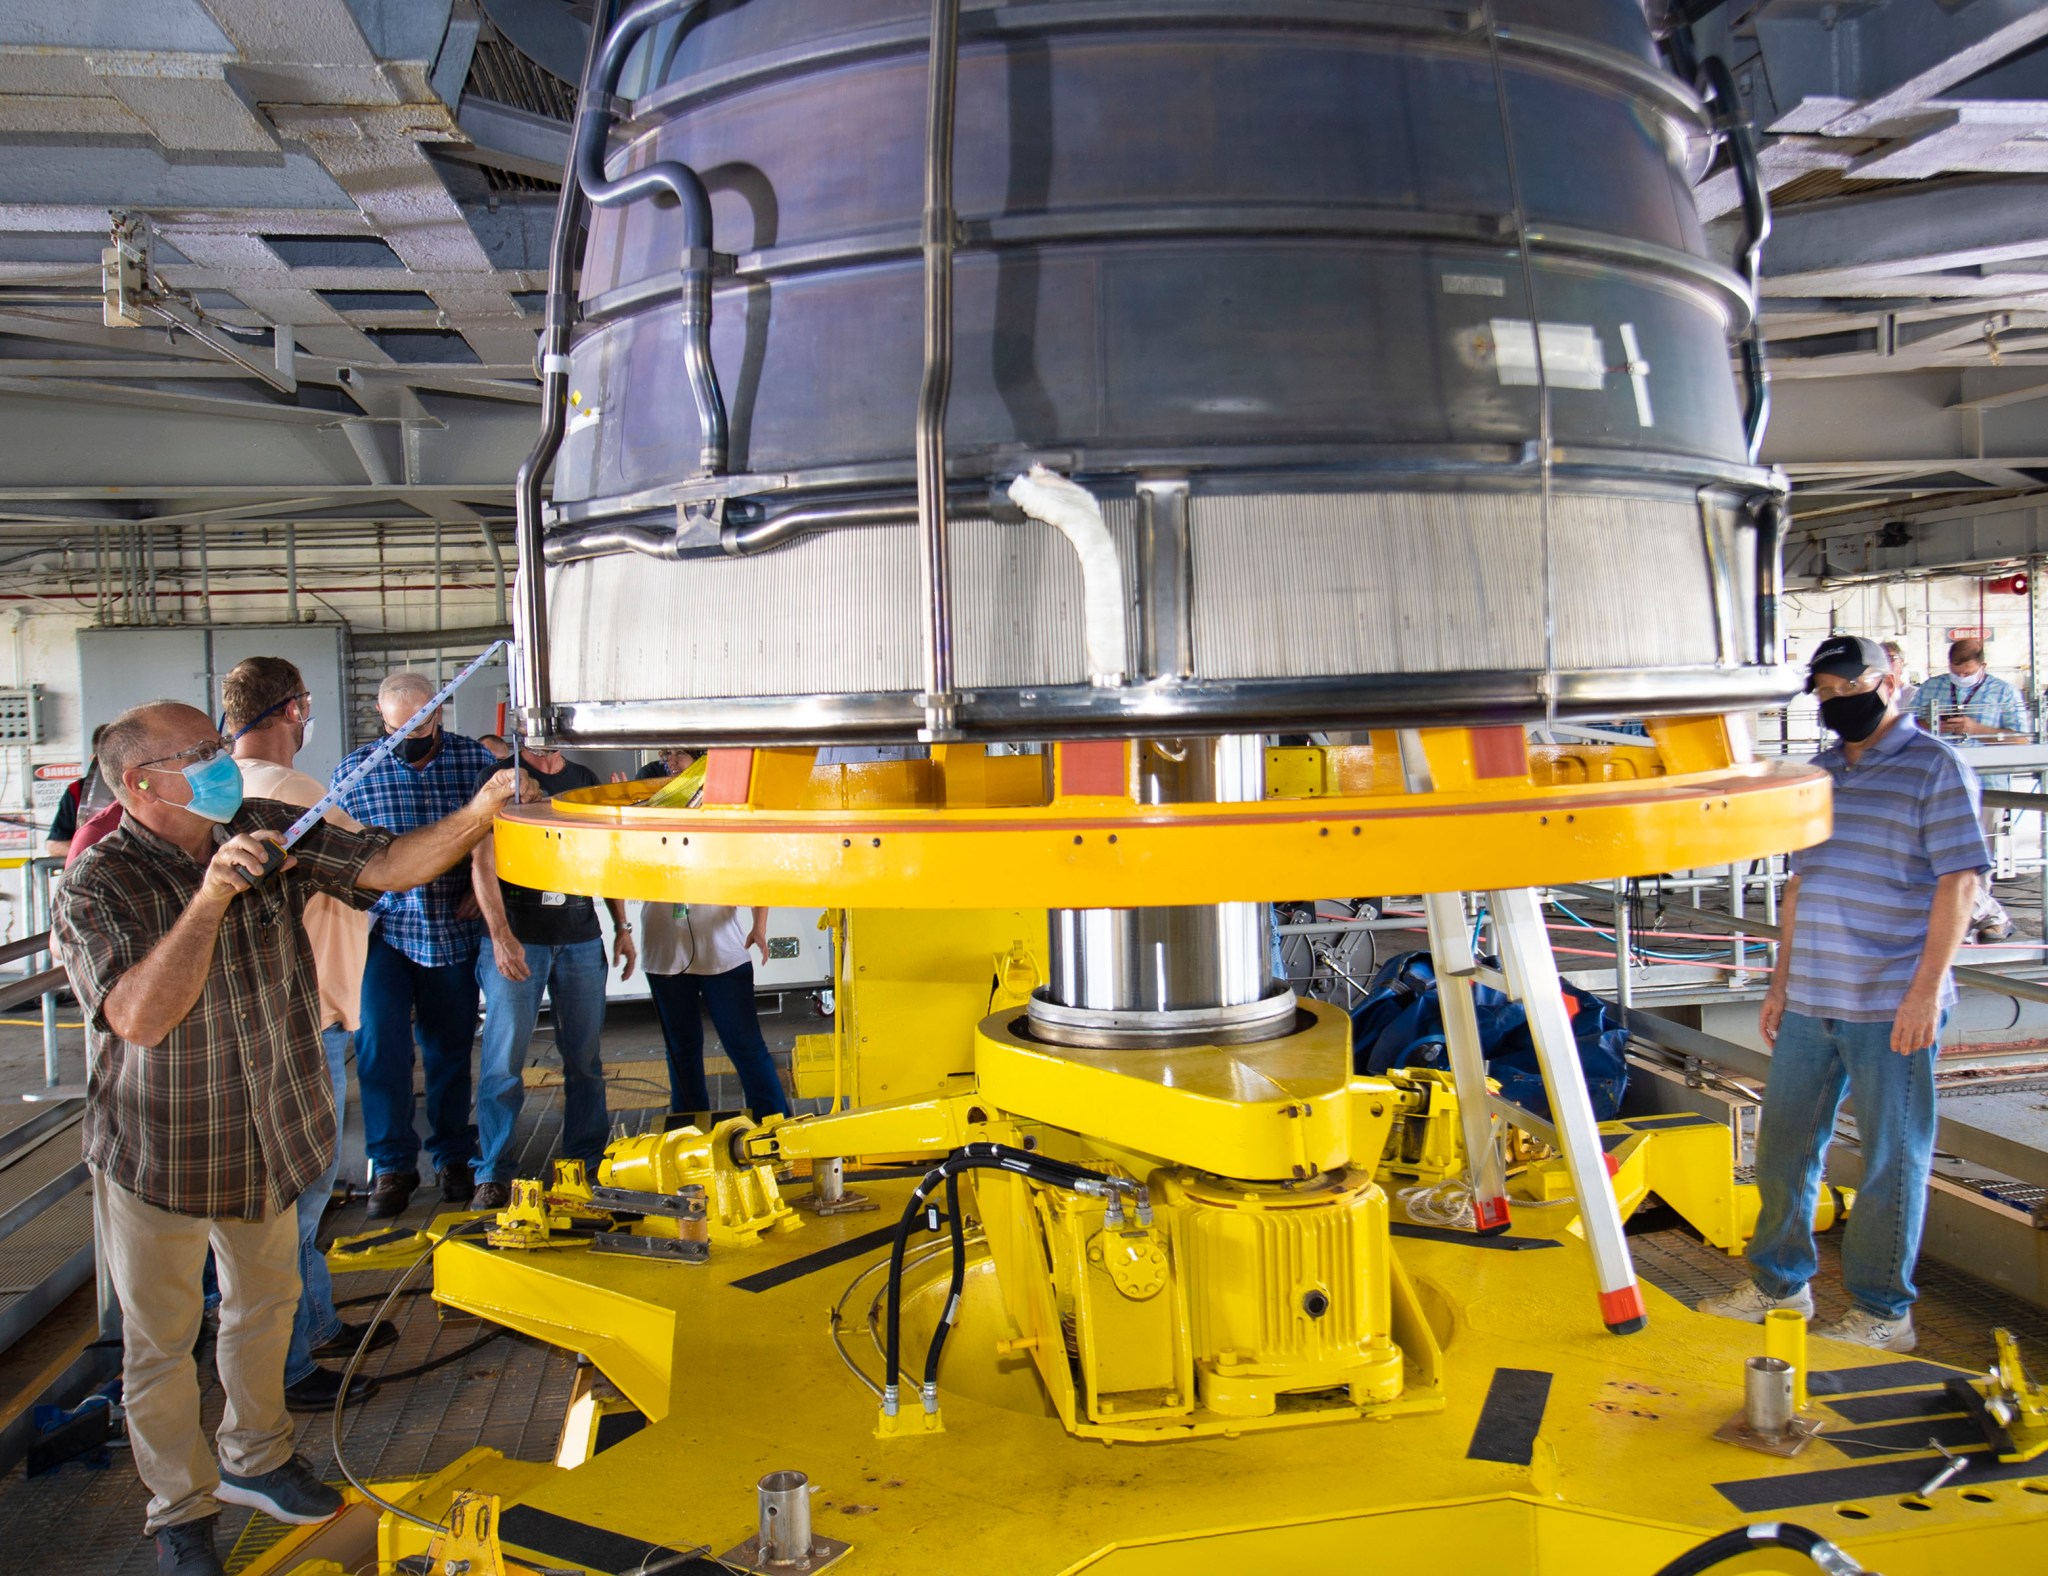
x=269 y=716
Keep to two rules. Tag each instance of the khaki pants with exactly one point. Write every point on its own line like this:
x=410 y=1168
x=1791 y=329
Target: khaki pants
x=156 y=1259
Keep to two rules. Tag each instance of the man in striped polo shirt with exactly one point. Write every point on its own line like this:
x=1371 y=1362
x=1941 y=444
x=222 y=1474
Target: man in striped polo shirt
x=1874 y=916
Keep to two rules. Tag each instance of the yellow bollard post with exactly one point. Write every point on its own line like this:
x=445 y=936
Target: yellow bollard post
x=1785 y=1337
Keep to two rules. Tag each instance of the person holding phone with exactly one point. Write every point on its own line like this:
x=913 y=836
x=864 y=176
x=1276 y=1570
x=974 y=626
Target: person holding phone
x=1968 y=706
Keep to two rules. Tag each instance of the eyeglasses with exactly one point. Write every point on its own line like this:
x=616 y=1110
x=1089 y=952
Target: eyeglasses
x=194 y=755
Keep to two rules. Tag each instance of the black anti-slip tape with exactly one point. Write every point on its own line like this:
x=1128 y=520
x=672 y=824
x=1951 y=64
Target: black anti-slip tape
x=1471 y=1239
x=1511 y=1416
x=1893 y=1408
x=823 y=1259
x=1877 y=1376
x=1890 y=1439
x=1761 y=1496
x=595 y=1548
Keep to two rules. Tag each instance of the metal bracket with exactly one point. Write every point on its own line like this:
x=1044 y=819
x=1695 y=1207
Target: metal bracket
x=747 y=1557
x=679 y=1249
x=1736 y=1431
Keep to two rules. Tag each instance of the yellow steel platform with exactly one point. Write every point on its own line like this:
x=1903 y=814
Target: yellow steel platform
x=1560 y=1448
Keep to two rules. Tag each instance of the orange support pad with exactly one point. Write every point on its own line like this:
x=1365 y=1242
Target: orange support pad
x=1094 y=768
x=727 y=775
x=758 y=779
x=1500 y=752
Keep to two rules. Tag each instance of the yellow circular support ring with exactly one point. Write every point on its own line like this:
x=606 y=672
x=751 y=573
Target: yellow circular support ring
x=1111 y=853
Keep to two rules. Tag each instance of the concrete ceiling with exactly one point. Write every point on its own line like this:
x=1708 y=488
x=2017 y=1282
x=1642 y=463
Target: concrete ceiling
x=363 y=189
x=350 y=197
x=1905 y=146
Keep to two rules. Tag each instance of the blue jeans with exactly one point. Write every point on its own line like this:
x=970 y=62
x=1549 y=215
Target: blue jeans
x=396 y=991
x=729 y=998
x=316 y=1322
x=1813 y=1063
x=573 y=977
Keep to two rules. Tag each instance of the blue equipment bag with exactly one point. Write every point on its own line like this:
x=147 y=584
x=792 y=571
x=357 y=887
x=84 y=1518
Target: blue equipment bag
x=1400 y=1024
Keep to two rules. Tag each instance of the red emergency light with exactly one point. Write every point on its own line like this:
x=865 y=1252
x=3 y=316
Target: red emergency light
x=2010 y=585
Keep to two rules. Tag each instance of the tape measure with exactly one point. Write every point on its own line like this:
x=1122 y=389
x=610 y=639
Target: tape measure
x=274 y=853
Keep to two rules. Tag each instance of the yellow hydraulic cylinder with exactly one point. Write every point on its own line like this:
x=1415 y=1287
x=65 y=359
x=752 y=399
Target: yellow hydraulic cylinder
x=1785 y=1338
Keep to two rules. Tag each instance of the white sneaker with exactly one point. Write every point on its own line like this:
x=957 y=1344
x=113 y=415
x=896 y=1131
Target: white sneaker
x=1749 y=1303
x=1867 y=1329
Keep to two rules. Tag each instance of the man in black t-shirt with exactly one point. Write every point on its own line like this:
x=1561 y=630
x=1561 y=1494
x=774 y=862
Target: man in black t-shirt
x=541 y=941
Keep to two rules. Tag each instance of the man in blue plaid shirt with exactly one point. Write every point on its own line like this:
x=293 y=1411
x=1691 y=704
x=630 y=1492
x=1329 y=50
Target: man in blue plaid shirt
x=422 y=961
x=1969 y=706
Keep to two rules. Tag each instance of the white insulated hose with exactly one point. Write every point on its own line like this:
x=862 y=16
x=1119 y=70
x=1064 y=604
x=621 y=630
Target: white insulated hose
x=1071 y=509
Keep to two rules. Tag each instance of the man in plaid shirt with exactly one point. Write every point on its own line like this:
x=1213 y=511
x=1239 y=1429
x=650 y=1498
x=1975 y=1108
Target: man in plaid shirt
x=1968 y=706
x=421 y=966
x=209 y=1105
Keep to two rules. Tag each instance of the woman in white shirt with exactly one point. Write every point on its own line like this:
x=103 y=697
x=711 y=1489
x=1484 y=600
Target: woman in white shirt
x=695 y=957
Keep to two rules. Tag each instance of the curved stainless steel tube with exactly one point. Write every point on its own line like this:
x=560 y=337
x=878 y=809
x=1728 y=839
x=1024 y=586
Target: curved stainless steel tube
x=679 y=181
x=601 y=540
x=804 y=519
x=934 y=575
x=536 y=692
x=1733 y=123
x=1770 y=579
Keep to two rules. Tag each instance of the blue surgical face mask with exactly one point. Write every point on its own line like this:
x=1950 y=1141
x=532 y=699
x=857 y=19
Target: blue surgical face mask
x=216 y=787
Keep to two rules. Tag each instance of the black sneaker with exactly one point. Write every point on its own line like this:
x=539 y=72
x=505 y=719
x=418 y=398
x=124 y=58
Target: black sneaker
x=455 y=1184
x=316 y=1392
x=350 y=1337
x=285 y=1493
x=390 y=1193
x=187 y=1549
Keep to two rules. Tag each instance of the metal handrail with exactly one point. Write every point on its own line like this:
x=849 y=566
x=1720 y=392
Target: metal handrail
x=1965 y=974
x=27 y=947
x=45 y=983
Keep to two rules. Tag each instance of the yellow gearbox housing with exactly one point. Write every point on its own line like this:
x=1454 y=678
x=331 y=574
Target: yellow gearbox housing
x=1288 y=1289
x=741 y=1200
x=1237 y=1305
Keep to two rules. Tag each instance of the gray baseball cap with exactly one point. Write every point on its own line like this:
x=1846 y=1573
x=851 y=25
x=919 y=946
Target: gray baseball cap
x=1847 y=656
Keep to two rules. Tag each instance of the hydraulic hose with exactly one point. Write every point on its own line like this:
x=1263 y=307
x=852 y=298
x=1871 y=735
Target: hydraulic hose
x=974 y=1157
x=594 y=123
x=952 y=1310
x=1723 y=1547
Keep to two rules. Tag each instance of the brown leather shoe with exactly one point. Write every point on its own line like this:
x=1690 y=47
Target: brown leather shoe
x=390 y=1193
x=491 y=1195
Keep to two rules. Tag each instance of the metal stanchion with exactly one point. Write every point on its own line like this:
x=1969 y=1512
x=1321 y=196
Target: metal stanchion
x=39 y=883
x=1624 y=988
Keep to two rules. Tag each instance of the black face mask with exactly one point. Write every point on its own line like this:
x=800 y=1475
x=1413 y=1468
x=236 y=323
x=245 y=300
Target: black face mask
x=417 y=747
x=1854 y=717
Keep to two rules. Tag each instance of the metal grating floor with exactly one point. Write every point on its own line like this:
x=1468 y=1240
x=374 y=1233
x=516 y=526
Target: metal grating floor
x=1954 y=1316
x=508 y=1396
